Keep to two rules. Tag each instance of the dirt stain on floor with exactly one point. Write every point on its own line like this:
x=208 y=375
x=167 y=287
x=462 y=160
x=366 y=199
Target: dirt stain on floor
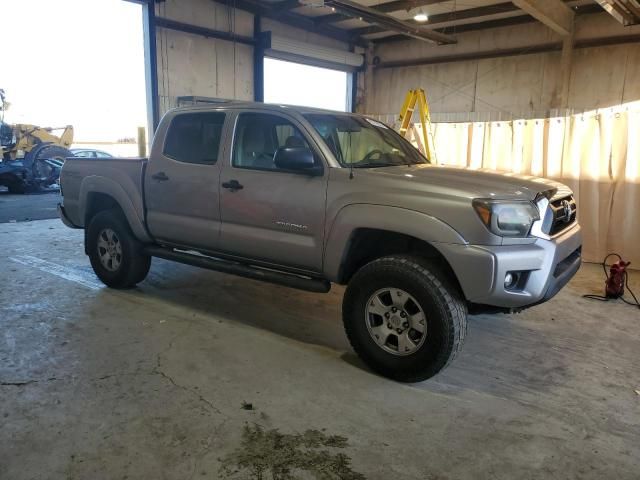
x=272 y=455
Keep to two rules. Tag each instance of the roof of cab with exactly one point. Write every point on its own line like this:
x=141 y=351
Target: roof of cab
x=222 y=105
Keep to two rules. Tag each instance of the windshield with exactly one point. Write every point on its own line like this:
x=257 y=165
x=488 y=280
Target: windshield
x=362 y=142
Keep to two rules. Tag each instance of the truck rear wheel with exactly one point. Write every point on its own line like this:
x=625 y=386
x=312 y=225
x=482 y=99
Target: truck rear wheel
x=115 y=254
x=404 y=318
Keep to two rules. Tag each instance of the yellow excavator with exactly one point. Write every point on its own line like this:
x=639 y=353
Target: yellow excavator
x=30 y=156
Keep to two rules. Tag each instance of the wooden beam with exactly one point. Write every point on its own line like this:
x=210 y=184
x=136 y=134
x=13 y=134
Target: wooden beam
x=553 y=13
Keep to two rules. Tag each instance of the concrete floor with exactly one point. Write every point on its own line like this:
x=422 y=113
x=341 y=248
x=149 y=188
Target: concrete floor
x=32 y=206
x=151 y=383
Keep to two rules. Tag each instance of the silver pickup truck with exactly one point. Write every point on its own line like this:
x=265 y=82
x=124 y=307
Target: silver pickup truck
x=305 y=198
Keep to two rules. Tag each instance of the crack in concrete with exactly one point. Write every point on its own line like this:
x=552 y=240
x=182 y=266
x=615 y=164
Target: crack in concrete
x=199 y=396
x=158 y=371
x=155 y=371
x=27 y=382
x=18 y=384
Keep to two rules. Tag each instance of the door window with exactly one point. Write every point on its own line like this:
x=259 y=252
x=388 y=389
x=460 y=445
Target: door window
x=195 y=137
x=258 y=137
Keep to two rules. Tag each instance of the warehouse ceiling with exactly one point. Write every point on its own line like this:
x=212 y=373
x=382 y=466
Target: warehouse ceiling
x=363 y=21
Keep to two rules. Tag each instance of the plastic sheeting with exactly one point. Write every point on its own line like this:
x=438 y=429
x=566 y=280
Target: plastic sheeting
x=596 y=153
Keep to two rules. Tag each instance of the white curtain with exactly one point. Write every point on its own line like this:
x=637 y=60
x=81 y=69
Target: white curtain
x=596 y=153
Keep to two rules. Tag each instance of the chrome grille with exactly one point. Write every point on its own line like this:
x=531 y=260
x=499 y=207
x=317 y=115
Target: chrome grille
x=561 y=215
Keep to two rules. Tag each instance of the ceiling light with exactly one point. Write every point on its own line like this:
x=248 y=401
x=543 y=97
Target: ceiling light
x=420 y=15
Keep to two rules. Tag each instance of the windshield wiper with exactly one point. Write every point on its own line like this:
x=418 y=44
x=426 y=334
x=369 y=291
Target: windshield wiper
x=373 y=165
x=377 y=165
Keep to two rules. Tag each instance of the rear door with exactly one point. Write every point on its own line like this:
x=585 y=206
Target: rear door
x=181 y=181
x=269 y=214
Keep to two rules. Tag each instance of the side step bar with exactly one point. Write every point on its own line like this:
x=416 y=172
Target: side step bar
x=240 y=269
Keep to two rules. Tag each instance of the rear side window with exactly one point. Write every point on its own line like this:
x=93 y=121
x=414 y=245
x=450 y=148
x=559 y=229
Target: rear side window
x=195 y=137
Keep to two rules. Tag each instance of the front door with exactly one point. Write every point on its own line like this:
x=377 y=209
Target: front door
x=181 y=182
x=269 y=214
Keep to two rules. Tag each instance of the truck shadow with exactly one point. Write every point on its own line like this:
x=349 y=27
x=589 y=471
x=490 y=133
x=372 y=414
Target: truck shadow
x=504 y=355
x=312 y=318
x=569 y=357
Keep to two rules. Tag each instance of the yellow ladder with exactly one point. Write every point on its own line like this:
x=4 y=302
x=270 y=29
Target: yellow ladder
x=419 y=98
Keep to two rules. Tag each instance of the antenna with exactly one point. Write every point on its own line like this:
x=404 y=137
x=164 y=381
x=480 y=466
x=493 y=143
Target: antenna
x=351 y=155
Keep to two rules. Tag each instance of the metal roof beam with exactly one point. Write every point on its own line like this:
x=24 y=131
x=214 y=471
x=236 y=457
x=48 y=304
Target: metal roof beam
x=511 y=52
x=356 y=10
x=331 y=18
x=398 y=5
x=383 y=8
x=553 y=13
x=294 y=20
x=448 y=17
x=489 y=24
x=620 y=10
x=285 y=5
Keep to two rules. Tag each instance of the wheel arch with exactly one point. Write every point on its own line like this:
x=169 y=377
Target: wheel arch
x=362 y=233
x=100 y=193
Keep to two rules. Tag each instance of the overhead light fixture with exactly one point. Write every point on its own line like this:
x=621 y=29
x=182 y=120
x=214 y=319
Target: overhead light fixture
x=419 y=15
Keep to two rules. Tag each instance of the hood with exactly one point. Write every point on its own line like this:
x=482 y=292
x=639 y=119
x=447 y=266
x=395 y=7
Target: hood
x=463 y=181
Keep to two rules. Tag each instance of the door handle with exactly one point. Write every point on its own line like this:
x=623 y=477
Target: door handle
x=160 y=176
x=232 y=185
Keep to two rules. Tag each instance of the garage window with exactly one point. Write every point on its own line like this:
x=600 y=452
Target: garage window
x=291 y=83
x=195 y=137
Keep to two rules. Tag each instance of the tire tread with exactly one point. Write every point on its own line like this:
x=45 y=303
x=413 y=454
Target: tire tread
x=139 y=263
x=431 y=278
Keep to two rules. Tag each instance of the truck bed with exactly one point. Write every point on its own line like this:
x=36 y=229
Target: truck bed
x=120 y=176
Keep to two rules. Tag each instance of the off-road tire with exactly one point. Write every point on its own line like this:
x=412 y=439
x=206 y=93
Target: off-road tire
x=46 y=152
x=134 y=265
x=438 y=296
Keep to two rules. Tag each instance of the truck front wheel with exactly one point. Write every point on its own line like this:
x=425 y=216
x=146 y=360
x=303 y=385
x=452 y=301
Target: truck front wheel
x=115 y=254
x=404 y=318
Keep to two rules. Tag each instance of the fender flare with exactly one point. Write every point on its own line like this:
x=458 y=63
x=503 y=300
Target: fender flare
x=381 y=217
x=133 y=210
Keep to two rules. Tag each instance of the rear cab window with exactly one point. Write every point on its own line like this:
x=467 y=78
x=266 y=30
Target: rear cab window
x=195 y=137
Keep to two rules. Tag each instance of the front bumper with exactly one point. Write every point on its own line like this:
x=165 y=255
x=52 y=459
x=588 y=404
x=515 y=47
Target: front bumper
x=548 y=265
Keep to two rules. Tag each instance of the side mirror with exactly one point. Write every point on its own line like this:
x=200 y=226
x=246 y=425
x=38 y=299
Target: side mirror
x=297 y=159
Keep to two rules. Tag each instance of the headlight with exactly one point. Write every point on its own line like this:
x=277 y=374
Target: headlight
x=507 y=218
